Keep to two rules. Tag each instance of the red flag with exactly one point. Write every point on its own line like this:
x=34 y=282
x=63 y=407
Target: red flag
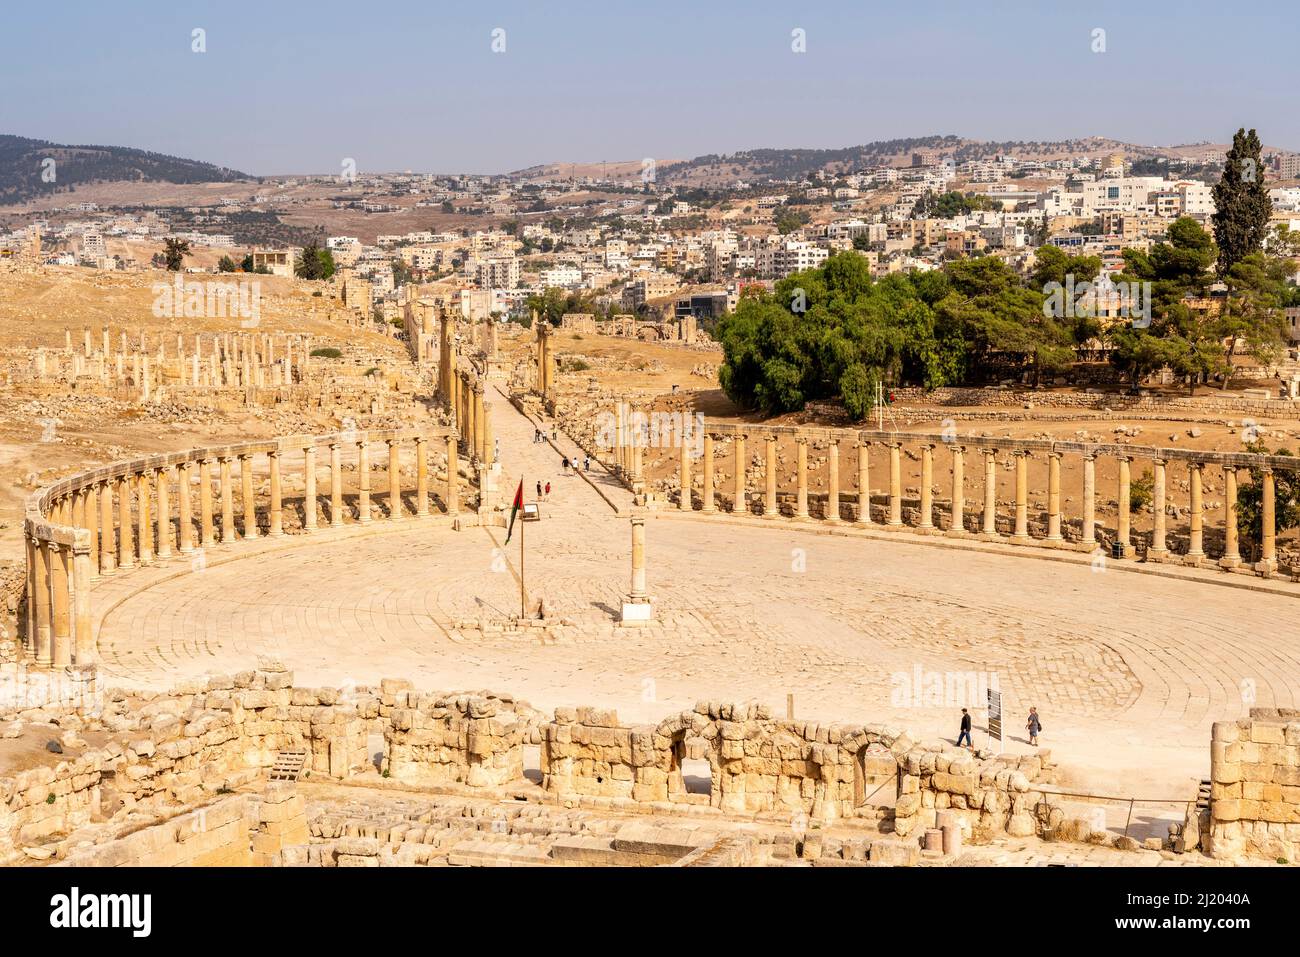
x=514 y=509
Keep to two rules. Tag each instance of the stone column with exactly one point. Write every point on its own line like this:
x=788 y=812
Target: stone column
x=145 y=525
x=309 y=488
x=1267 y=563
x=363 y=484
x=1231 y=549
x=164 y=514
x=84 y=641
x=489 y=439
x=106 y=537
x=770 y=509
x=708 y=507
x=125 y=547
x=453 y=478
x=185 y=517
x=247 y=496
x=927 y=487
x=1088 y=531
x=275 y=520
x=1022 y=496
x=833 y=481
x=738 y=503
x=638 y=558
x=421 y=477
x=1195 y=546
x=957 y=515
x=336 y=485
x=684 y=477
x=205 y=503
x=801 y=479
x=1158 y=550
x=1054 y=496
x=480 y=434
x=91 y=492
x=227 y=501
x=895 y=484
x=864 y=483
x=44 y=613
x=1123 y=521
x=61 y=619
x=394 y=480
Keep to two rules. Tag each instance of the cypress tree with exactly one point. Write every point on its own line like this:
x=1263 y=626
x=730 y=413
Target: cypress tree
x=1241 y=202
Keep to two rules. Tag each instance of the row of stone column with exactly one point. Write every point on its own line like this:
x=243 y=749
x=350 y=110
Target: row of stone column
x=129 y=520
x=473 y=416
x=1158 y=550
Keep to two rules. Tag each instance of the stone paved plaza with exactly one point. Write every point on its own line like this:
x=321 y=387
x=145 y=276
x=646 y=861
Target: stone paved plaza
x=1127 y=670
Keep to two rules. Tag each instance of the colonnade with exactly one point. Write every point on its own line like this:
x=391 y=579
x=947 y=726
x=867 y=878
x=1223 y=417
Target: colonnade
x=952 y=518
x=113 y=519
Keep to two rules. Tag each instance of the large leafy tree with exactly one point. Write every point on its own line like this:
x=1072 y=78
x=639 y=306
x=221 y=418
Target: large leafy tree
x=1242 y=206
x=174 y=253
x=314 y=262
x=1250 y=503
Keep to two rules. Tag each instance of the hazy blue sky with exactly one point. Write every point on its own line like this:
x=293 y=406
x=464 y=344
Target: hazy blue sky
x=416 y=85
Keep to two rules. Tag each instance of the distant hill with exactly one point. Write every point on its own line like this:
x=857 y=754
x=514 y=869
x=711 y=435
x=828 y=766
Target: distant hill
x=22 y=162
x=759 y=165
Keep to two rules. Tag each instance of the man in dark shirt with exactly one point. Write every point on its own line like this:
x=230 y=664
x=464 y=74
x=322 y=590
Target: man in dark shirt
x=965 y=730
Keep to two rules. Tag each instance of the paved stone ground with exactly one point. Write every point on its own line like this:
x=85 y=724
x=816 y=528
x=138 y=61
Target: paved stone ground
x=1128 y=671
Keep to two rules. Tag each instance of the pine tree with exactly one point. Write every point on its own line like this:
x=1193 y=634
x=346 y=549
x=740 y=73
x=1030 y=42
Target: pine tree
x=1242 y=206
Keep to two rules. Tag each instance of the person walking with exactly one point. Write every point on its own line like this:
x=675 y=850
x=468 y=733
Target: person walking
x=539 y=491
x=1034 y=726
x=965 y=730
x=565 y=464
x=548 y=491
x=586 y=463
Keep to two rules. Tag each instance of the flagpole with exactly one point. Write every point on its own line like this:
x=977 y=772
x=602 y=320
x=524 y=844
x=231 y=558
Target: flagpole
x=523 y=601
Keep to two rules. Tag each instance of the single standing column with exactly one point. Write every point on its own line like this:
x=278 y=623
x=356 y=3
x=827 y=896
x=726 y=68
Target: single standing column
x=708 y=507
x=684 y=479
x=227 y=502
x=864 y=483
x=1088 y=533
x=309 y=488
x=164 y=514
x=1158 y=551
x=247 y=496
x=29 y=635
x=453 y=479
x=895 y=484
x=60 y=575
x=489 y=439
x=84 y=641
x=1231 y=550
x=801 y=479
x=927 y=486
x=125 y=547
x=421 y=477
x=145 y=529
x=738 y=503
x=1123 y=521
x=363 y=485
x=276 y=518
x=480 y=435
x=394 y=480
x=769 y=507
x=638 y=559
x=205 y=503
x=1267 y=563
x=1054 y=496
x=1196 y=527
x=185 y=509
x=336 y=485
x=1022 y=496
x=42 y=648
x=957 y=515
x=833 y=482
x=106 y=537
x=92 y=526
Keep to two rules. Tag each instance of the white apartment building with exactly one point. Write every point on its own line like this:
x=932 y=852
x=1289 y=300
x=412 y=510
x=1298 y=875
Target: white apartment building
x=778 y=260
x=497 y=273
x=562 y=277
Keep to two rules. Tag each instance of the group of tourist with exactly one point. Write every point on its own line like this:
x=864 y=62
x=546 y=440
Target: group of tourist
x=1033 y=725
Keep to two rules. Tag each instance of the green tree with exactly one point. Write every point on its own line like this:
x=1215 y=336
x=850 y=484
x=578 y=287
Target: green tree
x=226 y=264
x=174 y=253
x=1250 y=503
x=1241 y=204
x=314 y=262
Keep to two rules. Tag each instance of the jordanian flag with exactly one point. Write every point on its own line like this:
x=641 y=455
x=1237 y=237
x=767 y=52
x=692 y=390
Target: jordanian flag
x=514 y=509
